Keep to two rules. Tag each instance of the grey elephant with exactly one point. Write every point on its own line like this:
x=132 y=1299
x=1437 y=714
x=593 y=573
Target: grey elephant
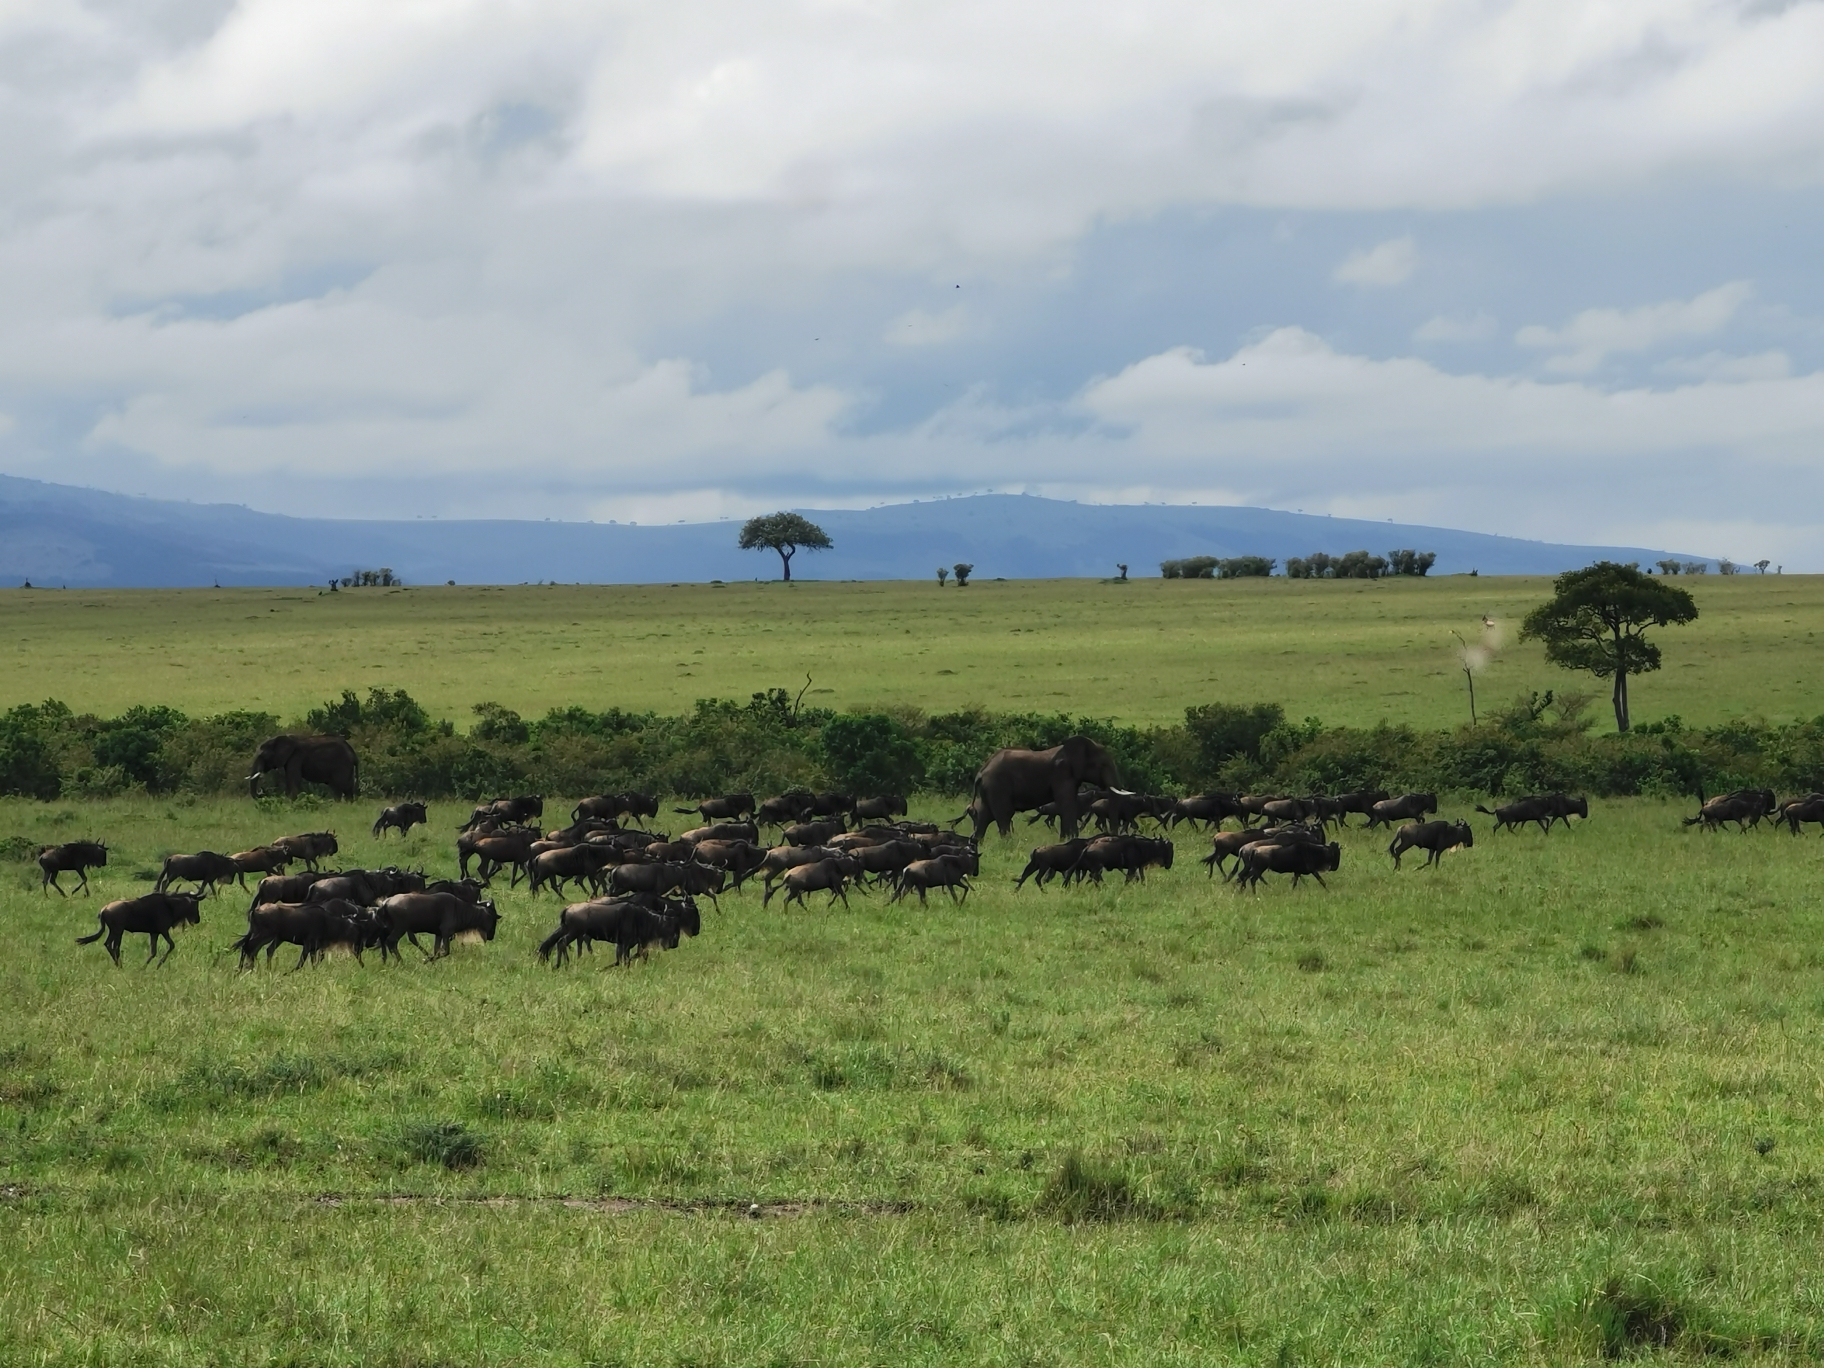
x=1020 y=780
x=326 y=760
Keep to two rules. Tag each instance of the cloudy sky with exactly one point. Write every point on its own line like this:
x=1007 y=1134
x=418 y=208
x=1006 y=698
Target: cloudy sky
x=1543 y=267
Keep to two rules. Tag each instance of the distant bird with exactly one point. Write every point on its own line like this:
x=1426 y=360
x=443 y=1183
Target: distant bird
x=1487 y=621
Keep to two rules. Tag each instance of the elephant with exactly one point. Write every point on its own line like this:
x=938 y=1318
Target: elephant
x=326 y=760
x=1020 y=780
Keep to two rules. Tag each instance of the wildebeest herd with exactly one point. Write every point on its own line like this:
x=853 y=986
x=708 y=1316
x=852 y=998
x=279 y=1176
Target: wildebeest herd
x=641 y=886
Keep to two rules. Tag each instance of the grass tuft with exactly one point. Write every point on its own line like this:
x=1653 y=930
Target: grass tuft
x=446 y=1144
x=1627 y=1314
x=1083 y=1189
x=1313 y=962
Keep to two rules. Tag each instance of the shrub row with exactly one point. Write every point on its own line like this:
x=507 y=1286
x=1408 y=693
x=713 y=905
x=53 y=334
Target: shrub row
x=768 y=744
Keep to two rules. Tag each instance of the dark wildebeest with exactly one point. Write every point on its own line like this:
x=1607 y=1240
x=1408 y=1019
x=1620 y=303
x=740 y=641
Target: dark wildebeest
x=1286 y=809
x=309 y=847
x=1119 y=812
x=1297 y=858
x=506 y=811
x=1225 y=845
x=1132 y=855
x=723 y=831
x=259 y=860
x=1731 y=807
x=1406 y=808
x=76 y=857
x=1361 y=801
x=883 y=807
x=558 y=867
x=886 y=860
x=948 y=872
x=284 y=888
x=1798 y=811
x=401 y=818
x=792 y=806
x=829 y=803
x=632 y=927
x=1209 y=808
x=737 y=859
x=612 y=805
x=1049 y=861
x=204 y=869
x=495 y=850
x=812 y=833
x=442 y=916
x=660 y=879
x=786 y=857
x=831 y=876
x=1434 y=838
x=151 y=915
x=730 y=807
x=1542 y=809
x=466 y=889
x=312 y=927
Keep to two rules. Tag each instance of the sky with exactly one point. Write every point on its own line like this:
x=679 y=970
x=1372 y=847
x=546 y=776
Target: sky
x=1539 y=268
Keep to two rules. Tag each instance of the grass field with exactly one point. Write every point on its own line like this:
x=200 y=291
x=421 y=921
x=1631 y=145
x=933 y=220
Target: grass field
x=1556 y=1100
x=1348 y=652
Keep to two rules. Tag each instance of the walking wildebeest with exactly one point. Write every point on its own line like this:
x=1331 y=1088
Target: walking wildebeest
x=1434 y=838
x=880 y=808
x=151 y=915
x=401 y=818
x=948 y=872
x=1798 y=811
x=1362 y=801
x=77 y=857
x=506 y=811
x=259 y=860
x=1225 y=845
x=631 y=926
x=285 y=888
x=309 y=847
x=442 y=916
x=1132 y=855
x=1297 y=858
x=1209 y=808
x=831 y=876
x=1049 y=861
x=1405 y=808
x=1542 y=809
x=730 y=807
x=1741 y=808
x=204 y=869
x=312 y=927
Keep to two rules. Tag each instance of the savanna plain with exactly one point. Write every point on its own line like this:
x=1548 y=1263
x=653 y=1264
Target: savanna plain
x=1554 y=1101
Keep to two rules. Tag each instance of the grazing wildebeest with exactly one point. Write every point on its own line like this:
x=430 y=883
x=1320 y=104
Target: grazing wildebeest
x=730 y=807
x=204 y=869
x=948 y=872
x=259 y=860
x=75 y=857
x=309 y=847
x=1225 y=845
x=312 y=927
x=632 y=927
x=883 y=807
x=151 y=915
x=442 y=916
x=831 y=876
x=1407 y=807
x=401 y=818
x=1434 y=838
x=1049 y=861
x=1209 y=808
x=1542 y=809
x=1361 y=801
x=1132 y=855
x=1297 y=858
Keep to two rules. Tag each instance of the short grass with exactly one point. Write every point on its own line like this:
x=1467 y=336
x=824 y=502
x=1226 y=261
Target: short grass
x=1555 y=1100
x=1346 y=652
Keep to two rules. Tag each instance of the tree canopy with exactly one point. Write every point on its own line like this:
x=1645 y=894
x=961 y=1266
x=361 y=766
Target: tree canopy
x=785 y=533
x=1597 y=618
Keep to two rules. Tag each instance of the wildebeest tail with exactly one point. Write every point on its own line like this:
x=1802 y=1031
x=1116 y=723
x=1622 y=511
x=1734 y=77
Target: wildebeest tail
x=1484 y=811
x=684 y=809
x=100 y=931
x=550 y=943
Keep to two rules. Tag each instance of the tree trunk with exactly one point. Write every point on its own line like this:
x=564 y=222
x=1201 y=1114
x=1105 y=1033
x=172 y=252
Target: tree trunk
x=1621 y=699
x=785 y=559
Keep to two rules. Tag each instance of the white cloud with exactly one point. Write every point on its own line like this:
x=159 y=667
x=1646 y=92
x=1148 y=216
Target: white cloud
x=1387 y=263
x=1594 y=335
x=1719 y=366
x=1476 y=327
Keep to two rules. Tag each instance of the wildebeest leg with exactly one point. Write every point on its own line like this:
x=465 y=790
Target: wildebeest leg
x=170 y=945
x=303 y=954
x=112 y=945
x=1320 y=881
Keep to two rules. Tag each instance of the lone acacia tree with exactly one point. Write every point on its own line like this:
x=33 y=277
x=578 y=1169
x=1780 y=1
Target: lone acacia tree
x=1597 y=620
x=785 y=533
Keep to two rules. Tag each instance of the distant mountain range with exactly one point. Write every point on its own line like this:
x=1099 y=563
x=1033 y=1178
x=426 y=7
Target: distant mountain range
x=58 y=534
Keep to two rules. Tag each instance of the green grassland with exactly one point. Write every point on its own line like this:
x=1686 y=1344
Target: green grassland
x=1558 y=1098
x=1426 y=1116
x=1350 y=652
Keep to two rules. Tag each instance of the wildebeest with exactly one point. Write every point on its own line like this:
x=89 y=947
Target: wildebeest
x=948 y=872
x=558 y=867
x=309 y=847
x=74 y=857
x=812 y=833
x=506 y=811
x=442 y=916
x=782 y=858
x=1226 y=845
x=1542 y=809
x=1362 y=801
x=1796 y=812
x=466 y=889
x=1132 y=855
x=312 y=927
x=722 y=831
x=1118 y=812
x=885 y=860
x=738 y=858
x=204 y=869
x=1407 y=807
x=494 y=851
x=612 y=805
x=1049 y=861
x=660 y=879
x=1742 y=809
x=880 y=808
x=151 y=915
x=259 y=860
x=830 y=875
x=1297 y=858
x=278 y=888
x=730 y=807
x=1434 y=838
x=401 y=818
x=1209 y=808
x=631 y=926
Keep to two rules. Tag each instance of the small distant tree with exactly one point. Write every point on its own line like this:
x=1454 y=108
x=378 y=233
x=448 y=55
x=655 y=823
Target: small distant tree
x=1244 y=567
x=1669 y=567
x=1727 y=567
x=1360 y=565
x=1597 y=620
x=1411 y=562
x=1762 y=565
x=1172 y=569
x=785 y=533
x=942 y=575
x=1198 y=567
x=963 y=570
x=1697 y=567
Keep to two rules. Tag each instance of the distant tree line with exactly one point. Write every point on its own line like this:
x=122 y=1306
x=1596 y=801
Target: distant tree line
x=1360 y=565
x=768 y=743
x=1209 y=567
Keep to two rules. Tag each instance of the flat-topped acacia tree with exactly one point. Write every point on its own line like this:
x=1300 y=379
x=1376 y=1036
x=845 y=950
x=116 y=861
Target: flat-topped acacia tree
x=785 y=533
x=1597 y=620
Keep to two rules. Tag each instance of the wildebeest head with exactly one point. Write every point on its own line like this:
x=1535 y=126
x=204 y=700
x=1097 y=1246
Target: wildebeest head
x=488 y=920
x=185 y=907
x=1465 y=837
